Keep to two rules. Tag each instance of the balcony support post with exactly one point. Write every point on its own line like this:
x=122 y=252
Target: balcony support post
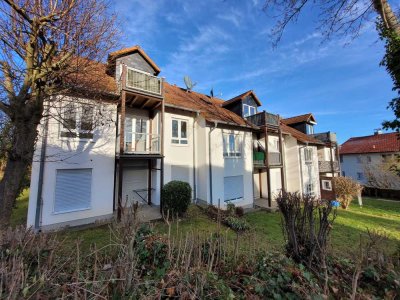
x=150 y=167
x=283 y=177
x=268 y=168
x=121 y=144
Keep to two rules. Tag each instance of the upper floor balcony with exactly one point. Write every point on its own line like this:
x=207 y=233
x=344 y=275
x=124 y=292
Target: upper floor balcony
x=264 y=119
x=143 y=82
x=325 y=137
x=326 y=166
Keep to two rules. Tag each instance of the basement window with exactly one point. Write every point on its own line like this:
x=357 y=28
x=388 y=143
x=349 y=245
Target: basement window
x=327 y=185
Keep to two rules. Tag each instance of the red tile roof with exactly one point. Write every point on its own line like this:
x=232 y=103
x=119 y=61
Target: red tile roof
x=379 y=143
x=209 y=108
x=241 y=97
x=298 y=135
x=298 y=119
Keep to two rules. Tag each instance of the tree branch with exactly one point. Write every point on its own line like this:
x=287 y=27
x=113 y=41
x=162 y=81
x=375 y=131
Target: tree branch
x=19 y=10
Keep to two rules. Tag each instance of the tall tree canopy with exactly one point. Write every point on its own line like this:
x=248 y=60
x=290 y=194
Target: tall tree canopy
x=43 y=43
x=347 y=17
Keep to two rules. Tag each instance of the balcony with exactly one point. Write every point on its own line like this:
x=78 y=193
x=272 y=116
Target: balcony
x=274 y=159
x=141 y=143
x=325 y=166
x=264 y=119
x=143 y=82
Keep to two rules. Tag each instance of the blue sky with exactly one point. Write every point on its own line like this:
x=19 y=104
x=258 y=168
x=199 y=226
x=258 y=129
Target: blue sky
x=225 y=45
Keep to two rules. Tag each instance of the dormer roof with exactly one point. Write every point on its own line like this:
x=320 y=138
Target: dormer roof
x=241 y=97
x=306 y=118
x=113 y=56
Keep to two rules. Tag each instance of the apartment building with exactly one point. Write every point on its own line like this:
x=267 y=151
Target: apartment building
x=106 y=153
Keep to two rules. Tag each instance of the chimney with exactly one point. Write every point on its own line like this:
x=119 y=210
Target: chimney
x=377 y=131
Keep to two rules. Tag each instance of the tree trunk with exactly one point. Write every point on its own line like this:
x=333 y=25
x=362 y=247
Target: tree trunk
x=18 y=159
x=390 y=20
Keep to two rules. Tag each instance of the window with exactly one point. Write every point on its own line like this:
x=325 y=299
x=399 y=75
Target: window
x=179 y=132
x=341 y=158
x=73 y=190
x=360 y=176
x=232 y=145
x=369 y=159
x=327 y=185
x=343 y=173
x=310 y=189
x=359 y=159
x=77 y=121
x=310 y=129
x=308 y=155
x=233 y=188
x=248 y=110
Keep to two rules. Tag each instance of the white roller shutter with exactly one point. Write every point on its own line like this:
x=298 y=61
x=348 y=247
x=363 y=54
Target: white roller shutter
x=233 y=188
x=73 y=190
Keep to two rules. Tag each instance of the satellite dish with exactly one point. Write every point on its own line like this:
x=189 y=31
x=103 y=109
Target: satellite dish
x=188 y=82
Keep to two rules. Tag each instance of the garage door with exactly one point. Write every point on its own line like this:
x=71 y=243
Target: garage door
x=134 y=185
x=233 y=188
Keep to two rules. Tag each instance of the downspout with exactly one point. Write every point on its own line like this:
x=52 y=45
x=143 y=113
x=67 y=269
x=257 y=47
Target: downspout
x=301 y=171
x=194 y=160
x=39 y=203
x=209 y=160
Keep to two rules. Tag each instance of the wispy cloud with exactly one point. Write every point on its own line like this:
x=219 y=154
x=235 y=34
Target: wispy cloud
x=233 y=16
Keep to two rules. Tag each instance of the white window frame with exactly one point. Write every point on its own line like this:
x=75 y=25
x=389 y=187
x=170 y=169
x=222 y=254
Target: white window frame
x=309 y=189
x=78 y=108
x=250 y=107
x=360 y=177
x=238 y=143
x=308 y=155
x=329 y=185
x=72 y=210
x=180 y=141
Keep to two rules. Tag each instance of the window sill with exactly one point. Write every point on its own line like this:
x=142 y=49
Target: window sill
x=179 y=145
x=66 y=139
x=233 y=157
x=70 y=211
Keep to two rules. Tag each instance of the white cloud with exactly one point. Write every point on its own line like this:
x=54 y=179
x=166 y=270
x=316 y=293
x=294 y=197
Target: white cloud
x=233 y=16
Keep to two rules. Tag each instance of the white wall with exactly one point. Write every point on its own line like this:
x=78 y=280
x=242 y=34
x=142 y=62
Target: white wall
x=180 y=156
x=66 y=153
x=351 y=165
x=292 y=165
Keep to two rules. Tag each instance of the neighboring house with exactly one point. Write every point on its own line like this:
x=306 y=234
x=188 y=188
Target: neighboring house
x=361 y=155
x=108 y=153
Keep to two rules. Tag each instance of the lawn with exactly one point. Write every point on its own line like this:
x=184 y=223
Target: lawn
x=376 y=214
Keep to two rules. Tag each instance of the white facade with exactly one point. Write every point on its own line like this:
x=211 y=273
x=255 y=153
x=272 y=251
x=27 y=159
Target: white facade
x=96 y=154
x=353 y=165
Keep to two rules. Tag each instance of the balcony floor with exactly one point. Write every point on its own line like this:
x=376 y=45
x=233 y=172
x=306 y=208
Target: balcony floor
x=263 y=204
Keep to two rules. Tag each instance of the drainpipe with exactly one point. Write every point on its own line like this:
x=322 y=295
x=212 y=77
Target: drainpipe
x=39 y=203
x=209 y=160
x=194 y=159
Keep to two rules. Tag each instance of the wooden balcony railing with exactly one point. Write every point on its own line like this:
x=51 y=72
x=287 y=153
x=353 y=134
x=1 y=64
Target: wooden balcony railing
x=274 y=159
x=144 y=82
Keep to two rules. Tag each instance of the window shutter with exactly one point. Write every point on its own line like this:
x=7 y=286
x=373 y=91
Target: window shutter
x=233 y=188
x=73 y=190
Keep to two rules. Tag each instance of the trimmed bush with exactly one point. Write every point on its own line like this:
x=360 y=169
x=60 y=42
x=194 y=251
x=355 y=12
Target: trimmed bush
x=175 y=197
x=346 y=189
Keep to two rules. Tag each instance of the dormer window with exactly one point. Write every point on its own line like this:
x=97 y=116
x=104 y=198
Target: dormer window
x=310 y=129
x=248 y=110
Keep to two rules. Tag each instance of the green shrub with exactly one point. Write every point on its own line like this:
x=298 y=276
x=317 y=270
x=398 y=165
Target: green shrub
x=239 y=211
x=175 y=197
x=236 y=224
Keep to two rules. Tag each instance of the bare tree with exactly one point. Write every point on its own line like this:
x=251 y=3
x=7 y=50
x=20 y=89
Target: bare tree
x=47 y=48
x=383 y=175
x=334 y=17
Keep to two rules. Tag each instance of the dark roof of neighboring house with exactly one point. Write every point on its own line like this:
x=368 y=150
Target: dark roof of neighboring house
x=209 y=107
x=241 y=97
x=378 y=143
x=112 y=57
x=298 y=135
x=299 y=119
